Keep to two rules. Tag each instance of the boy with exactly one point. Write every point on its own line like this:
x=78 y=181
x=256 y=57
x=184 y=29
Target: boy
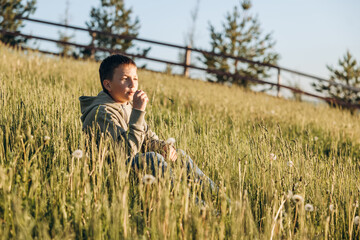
x=119 y=111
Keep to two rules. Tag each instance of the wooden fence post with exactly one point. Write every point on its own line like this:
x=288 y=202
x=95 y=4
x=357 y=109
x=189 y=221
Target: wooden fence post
x=278 y=82
x=93 y=36
x=187 y=61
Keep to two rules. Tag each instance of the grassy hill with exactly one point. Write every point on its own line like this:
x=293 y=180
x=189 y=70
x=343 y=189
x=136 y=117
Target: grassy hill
x=272 y=157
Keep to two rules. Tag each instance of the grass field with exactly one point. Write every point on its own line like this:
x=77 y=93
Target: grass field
x=290 y=169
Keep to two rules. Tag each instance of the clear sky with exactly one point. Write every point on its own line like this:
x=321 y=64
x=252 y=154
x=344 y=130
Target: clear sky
x=309 y=33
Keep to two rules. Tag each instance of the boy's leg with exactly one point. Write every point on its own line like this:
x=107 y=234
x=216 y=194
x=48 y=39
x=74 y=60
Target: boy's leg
x=196 y=173
x=153 y=161
x=156 y=162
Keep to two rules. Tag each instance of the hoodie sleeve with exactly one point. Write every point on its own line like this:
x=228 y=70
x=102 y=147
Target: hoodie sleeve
x=133 y=137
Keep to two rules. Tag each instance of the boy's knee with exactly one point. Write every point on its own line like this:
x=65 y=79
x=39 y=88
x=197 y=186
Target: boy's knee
x=156 y=160
x=157 y=163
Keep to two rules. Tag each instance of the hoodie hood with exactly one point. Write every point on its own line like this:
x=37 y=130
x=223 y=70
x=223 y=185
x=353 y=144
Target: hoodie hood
x=87 y=103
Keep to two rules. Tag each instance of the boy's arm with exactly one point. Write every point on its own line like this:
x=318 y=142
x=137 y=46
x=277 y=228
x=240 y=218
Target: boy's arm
x=133 y=137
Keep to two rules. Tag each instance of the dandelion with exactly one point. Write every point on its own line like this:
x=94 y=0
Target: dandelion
x=331 y=207
x=357 y=220
x=46 y=139
x=170 y=141
x=272 y=157
x=316 y=138
x=297 y=198
x=290 y=163
x=148 y=179
x=309 y=207
x=77 y=154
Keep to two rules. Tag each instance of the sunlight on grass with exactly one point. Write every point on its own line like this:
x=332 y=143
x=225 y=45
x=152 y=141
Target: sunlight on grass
x=274 y=158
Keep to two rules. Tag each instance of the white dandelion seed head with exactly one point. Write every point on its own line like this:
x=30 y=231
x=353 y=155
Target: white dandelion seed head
x=357 y=220
x=170 y=141
x=272 y=157
x=77 y=153
x=297 y=198
x=316 y=138
x=46 y=138
x=290 y=163
x=309 y=207
x=148 y=179
x=331 y=207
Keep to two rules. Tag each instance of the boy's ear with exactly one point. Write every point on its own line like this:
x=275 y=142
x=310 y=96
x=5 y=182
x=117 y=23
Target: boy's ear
x=107 y=85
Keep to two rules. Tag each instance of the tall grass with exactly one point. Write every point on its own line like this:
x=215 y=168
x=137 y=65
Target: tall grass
x=260 y=150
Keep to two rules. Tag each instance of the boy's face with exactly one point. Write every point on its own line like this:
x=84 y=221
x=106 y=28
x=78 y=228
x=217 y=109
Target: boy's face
x=124 y=83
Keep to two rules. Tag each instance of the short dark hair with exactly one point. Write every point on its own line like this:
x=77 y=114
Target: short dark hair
x=109 y=64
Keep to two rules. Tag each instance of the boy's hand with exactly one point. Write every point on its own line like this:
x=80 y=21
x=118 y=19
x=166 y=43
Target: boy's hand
x=170 y=152
x=140 y=100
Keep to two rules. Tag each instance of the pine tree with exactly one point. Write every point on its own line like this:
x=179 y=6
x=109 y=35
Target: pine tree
x=348 y=74
x=240 y=36
x=112 y=16
x=10 y=10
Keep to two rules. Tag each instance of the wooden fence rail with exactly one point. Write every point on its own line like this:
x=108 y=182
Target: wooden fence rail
x=186 y=64
x=187 y=49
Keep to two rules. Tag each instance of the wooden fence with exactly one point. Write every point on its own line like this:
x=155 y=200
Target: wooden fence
x=186 y=64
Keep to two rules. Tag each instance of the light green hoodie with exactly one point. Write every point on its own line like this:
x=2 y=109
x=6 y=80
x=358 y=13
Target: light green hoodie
x=121 y=121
